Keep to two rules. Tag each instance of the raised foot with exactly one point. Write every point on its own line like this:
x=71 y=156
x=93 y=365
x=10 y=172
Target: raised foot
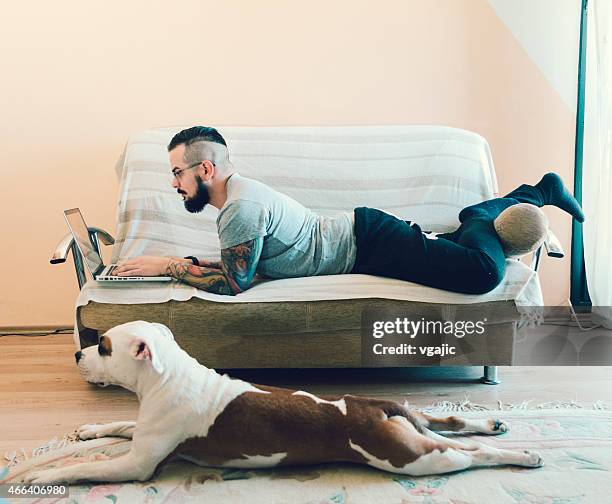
x=555 y=193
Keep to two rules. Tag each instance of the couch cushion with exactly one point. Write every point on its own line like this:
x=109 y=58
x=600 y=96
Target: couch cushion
x=520 y=285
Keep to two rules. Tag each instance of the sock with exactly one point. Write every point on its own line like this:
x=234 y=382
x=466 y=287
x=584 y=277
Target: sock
x=555 y=193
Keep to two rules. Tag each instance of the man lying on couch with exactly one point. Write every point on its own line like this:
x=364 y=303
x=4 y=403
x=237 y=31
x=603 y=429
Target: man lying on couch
x=266 y=232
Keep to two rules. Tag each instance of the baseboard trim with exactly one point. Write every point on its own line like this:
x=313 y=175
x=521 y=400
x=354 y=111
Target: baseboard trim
x=27 y=330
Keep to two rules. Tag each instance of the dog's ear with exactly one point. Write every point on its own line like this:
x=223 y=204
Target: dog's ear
x=141 y=349
x=163 y=330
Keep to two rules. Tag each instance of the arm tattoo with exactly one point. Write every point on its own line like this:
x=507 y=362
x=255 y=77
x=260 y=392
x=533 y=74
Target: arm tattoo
x=240 y=263
x=238 y=267
x=218 y=265
x=210 y=280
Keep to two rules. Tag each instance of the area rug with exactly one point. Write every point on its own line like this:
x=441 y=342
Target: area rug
x=576 y=445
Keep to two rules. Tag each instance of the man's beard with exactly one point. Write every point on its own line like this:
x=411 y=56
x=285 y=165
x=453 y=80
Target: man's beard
x=200 y=200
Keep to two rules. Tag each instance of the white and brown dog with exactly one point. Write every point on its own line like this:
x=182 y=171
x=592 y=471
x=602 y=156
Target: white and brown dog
x=191 y=411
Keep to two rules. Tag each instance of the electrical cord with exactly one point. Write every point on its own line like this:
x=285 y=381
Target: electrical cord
x=571 y=324
x=574 y=317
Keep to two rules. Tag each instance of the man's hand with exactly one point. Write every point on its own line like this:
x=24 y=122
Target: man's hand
x=143 y=266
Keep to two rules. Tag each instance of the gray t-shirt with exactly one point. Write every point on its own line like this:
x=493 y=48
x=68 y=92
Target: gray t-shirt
x=296 y=241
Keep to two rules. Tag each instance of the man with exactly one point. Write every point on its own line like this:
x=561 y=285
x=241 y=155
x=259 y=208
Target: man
x=266 y=232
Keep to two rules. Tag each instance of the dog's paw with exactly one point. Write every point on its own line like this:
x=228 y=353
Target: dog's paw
x=497 y=426
x=45 y=477
x=533 y=459
x=91 y=431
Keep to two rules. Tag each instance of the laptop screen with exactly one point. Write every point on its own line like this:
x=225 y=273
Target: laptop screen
x=77 y=225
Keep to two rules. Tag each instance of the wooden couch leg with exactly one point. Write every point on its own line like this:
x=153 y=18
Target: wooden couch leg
x=490 y=376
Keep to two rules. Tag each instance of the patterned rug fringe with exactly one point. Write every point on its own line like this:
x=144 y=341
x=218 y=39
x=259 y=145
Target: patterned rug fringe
x=467 y=405
x=13 y=458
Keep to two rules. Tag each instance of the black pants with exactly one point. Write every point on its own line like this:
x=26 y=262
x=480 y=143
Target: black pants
x=469 y=260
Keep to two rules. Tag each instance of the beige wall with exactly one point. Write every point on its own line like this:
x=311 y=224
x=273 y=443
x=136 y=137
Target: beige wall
x=79 y=78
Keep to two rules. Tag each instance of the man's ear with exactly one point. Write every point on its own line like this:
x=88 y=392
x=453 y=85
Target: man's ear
x=209 y=168
x=140 y=349
x=164 y=330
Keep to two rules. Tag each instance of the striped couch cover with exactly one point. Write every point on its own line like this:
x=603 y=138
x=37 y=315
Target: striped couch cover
x=421 y=173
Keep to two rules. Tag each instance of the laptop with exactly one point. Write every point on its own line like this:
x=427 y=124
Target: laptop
x=92 y=259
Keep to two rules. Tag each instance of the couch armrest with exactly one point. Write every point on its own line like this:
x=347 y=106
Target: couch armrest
x=553 y=248
x=67 y=244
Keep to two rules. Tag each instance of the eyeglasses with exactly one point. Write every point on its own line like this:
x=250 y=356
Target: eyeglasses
x=178 y=171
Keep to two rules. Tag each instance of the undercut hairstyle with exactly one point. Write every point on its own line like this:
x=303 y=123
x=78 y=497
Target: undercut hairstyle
x=196 y=134
x=202 y=142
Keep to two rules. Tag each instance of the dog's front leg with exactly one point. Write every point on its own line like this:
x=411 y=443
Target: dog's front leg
x=119 y=429
x=148 y=450
x=125 y=468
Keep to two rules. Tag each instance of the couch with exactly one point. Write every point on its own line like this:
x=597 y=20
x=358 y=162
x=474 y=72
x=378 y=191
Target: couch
x=421 y=173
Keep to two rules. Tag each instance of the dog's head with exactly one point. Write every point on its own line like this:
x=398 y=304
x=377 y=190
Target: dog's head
x=124 y=352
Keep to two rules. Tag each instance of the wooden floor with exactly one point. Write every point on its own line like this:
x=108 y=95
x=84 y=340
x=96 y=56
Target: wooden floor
x=42 y=396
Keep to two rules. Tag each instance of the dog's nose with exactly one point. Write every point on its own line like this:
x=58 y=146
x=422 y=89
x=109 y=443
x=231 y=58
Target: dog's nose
x=78 y=356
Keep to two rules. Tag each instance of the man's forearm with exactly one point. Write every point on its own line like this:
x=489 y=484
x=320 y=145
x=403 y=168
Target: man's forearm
x=211 y=264
x=207 y=279
x=202 y=262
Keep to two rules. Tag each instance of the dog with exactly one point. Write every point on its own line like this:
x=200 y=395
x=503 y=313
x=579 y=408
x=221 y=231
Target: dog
x=197 y=414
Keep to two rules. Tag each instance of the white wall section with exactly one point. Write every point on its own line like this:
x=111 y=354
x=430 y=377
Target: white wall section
x=549 y=31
